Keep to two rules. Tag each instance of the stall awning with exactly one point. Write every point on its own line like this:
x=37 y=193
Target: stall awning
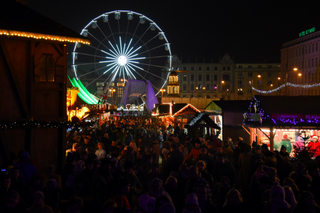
x=202 y=120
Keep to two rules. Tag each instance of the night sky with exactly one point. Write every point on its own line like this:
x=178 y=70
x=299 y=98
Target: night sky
x=250 y=31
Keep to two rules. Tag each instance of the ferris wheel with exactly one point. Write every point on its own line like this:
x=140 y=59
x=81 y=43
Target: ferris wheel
x=124 y=45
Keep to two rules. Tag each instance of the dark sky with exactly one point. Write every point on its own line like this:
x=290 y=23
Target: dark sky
x=250 y=31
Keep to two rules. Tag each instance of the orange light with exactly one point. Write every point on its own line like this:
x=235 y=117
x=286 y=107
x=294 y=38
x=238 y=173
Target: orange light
x=259 y=76
x=279 y=78
x=295 y=69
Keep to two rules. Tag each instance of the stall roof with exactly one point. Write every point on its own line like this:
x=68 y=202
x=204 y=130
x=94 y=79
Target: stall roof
x=196 y=121
x=227 y=106
x=165 y=108
x=284 y=111
x=17 y=19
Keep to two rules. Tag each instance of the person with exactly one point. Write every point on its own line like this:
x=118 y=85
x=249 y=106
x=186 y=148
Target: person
x=52 y=195
x=195 y=180
x=50 y=174
x=201 y=165
x=194 y=152
x=121 y=198
x=75 y=205
x=228 y=150
x=100 y=152
x=13 y=203
x=314 y=146
x=38 y=204
x=286 y=142
x=75 y=151
x=284 y=153
x=28 y=170
x=206 y=158
x=85 y=145
x=277 y=202
x=192 y=204
x=299 y=145
x=106 y=142
x=255 y=157
x=234 y=202
x=175 y=159
x=245 y=169
x=146 y=204
x=307 y=203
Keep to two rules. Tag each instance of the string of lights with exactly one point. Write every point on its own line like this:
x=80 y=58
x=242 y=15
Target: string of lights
x=42 y=124
x=304 y=86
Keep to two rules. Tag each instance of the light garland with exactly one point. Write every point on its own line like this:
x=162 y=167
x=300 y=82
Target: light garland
x=42 y=124
x=304 y=86
x=44 y=36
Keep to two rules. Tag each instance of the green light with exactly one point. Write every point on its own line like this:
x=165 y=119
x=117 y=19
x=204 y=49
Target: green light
x=83 y=93
x=94 y=101
x=308 y=31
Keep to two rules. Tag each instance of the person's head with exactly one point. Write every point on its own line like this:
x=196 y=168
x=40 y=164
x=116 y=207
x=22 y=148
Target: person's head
x=283 y=149
x=108 y=206
x=76 y=147
x=290 y=182
x=38 y=198
x=124 y=185
x=264 y=147
x=114 y=143
x=128 y=167
x=171 y=182
x=147 y=203
x=156 y=184
x=84 y=155
x=289 y=195
x=314 y=138
x=75 y=205
x=140 y=155
x=7 y=182
x=100 y=145
x=202 y=193
x=193 y=172
x=220 y=159
x=300 y=168
x=219 y=150
x=209 y=144
x=197 y=144
x=12 y=200
x=201 y=165
x=225 y=144
x=86 y=140
x=234 y=198
x=15 y=173
x=306 y=199
x=257 y=149
x=50 y=170
x=192 y=203
x=204 y=150
x=52 y=184
x=155 y=167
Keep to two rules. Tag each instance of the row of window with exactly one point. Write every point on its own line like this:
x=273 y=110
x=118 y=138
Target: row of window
x=312 y=62
x=250 y=66
x=303 y=49
x=207 y=77
x=250 y=74
x=206 y=68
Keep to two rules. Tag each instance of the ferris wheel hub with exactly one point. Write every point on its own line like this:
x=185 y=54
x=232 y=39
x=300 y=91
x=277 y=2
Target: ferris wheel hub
x=122 y=60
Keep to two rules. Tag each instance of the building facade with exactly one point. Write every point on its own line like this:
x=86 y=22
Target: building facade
x=300 y=63
x=225 y=79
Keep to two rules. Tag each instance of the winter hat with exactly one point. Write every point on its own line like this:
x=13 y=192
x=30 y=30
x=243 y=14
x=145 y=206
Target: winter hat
x=25 y=154
x=276 y=188
x=144 y=200
x=258 y=147
x=39 y=193
x=156 y=183
x=285 y=136
x=167 y=208
x=54 y=183
x=314 y=136
x=192 y=199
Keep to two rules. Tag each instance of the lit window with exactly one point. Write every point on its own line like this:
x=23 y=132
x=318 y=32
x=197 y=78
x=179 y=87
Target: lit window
x=47 y=68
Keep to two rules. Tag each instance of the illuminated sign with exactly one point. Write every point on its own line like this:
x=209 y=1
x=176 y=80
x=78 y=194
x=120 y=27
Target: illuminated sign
x=308 y=31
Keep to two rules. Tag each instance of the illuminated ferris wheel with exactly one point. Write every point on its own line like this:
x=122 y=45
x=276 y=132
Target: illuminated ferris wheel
x=124 y=45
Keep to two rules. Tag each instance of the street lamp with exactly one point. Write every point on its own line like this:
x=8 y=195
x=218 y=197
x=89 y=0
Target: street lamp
x=112 y=91
x=162 y=90
x=251 y=82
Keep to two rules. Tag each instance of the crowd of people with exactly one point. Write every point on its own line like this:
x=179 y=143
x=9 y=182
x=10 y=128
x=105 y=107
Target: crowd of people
x=139 y=166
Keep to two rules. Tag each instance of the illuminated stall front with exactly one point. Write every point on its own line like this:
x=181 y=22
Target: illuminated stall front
x=274 y=119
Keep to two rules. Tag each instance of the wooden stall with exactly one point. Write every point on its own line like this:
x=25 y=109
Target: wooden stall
x=33 y=76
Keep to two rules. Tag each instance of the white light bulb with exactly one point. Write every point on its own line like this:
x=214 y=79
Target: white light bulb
x=122 y=60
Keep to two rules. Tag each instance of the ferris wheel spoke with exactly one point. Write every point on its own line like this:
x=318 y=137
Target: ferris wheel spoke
x=150 y=40
x=125 y=39
x=86 y=54
x=112 y=33
x=146 y=71
x=109 y=53
x=112 y=61
x=91 y=72
x=150 y=65
x=142 y=35
x=95 y=80
x=110 y=68
x=125 y=52
x=117 y=53
x=130 y=53
x=98 y=40
x=145 y=79
x=85 y=64
x=129 y=71
x=152 y=49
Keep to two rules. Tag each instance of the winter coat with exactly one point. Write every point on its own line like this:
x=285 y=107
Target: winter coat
x=245 y=170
